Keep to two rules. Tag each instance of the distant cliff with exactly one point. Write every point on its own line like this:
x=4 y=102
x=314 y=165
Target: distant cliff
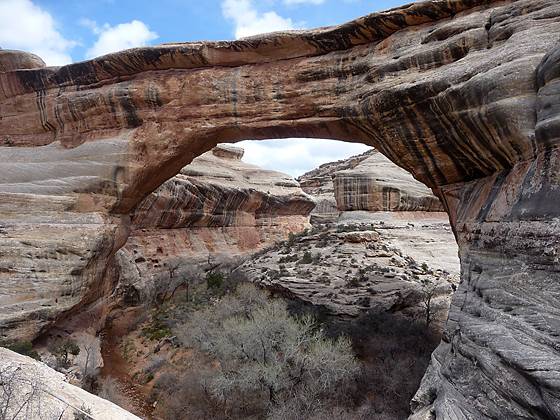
x=368 y=182
x=377 y=184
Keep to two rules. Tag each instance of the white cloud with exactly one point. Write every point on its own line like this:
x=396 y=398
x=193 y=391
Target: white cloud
x=297 y=156
x=25 y=26
x=249 y=21
x=119 y=37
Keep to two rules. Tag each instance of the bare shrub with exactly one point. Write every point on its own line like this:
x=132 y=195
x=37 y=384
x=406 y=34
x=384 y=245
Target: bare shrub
x=266 y=358
x=23 y=397
x=109 y=390
x=429 y=291
x=186 y=394
x=89 y=362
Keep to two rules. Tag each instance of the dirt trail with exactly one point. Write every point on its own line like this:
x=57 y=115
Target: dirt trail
x=116 y=366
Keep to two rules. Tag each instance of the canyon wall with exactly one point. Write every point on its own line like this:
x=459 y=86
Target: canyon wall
x=365 y=182
x=377 y=184
x=463 y=94
x=320 y=185
x=217 y=210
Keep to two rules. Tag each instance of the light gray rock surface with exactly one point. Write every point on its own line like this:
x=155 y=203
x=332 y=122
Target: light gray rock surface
x=359 y=266
x=43 y=393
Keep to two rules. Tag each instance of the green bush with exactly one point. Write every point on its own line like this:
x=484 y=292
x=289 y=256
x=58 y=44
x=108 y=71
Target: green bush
x=157 y=328
x=62 y=349
x=214 y=280
x=307 y=258
x=22 y=347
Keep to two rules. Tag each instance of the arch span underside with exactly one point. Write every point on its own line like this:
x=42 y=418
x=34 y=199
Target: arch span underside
x=464 y=94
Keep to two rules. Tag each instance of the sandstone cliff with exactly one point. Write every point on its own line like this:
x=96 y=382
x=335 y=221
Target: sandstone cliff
x=461 y=93
x=366 y=182
x=377 y=184
x=319 y=184
x=217 y=210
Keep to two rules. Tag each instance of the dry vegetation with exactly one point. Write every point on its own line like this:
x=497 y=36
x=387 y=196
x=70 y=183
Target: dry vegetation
x=223 y=349
x=227 y=350
x=255 y=361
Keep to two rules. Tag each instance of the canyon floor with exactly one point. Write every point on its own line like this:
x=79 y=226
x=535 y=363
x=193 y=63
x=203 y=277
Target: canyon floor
x=361 y=278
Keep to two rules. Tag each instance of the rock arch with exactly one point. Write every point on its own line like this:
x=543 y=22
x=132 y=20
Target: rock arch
x=462 y=93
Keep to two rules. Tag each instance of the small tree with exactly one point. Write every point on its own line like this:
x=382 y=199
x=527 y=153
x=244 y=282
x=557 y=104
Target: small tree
x=214 y=280
x=62 y=350
x=89 y=362
x=428 y=293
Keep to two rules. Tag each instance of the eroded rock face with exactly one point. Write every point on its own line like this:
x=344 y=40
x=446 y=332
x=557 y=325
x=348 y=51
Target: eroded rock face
x=217 y=210
x=319 y=184
x=377 y=184
x=13 y=60
x=461 y=93
x=356 y=267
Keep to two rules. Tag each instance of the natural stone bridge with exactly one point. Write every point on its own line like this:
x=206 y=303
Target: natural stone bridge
x=464 y=94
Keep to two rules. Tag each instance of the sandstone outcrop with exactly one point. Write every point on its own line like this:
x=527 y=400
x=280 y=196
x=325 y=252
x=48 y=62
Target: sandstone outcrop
x=33 y=391
x=407 y=240
x=217 y=210
x=377 y=184
x=464 y=94
x=319 y=184
x=366 y=182
x=355 y=267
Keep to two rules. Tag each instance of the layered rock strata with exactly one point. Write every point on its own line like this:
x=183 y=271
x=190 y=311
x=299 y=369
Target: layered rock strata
x=366 y=182
x=320 y=185
x=217 y=210
x=377 y=184
x=464 y=94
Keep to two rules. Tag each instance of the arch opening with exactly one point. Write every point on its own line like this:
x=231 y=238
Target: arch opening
x=376 y=230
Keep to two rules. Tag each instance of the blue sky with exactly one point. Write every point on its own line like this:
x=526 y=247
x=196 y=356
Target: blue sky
x=64 y=31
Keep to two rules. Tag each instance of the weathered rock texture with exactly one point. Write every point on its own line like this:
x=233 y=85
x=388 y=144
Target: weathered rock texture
x=377 y=184
x=319 y=184
x=356 y=267
x=217 y=210
x=464 y=94
x=39 y=392
x=368 y=182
